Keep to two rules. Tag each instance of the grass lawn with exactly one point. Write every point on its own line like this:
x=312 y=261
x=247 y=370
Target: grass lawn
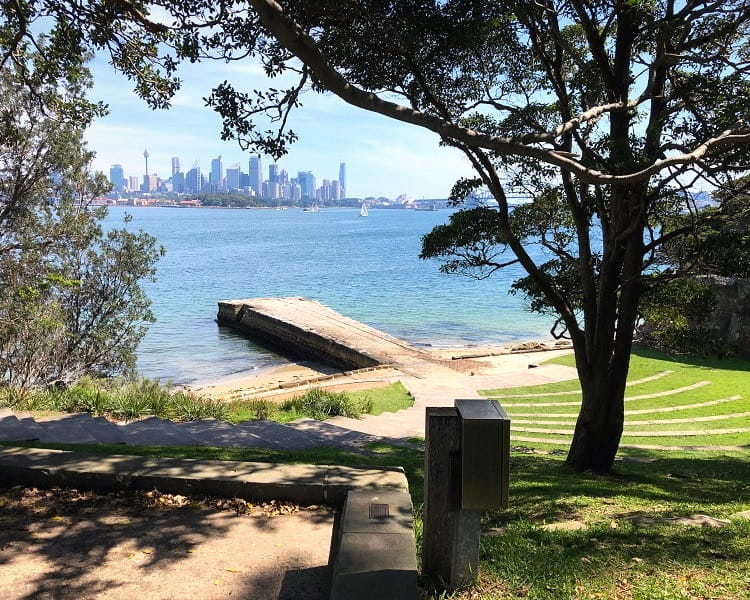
x=623 y=545
x=694 y=402
x=577 y=536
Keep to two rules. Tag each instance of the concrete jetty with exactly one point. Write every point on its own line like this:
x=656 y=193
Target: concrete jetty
x=306 y=328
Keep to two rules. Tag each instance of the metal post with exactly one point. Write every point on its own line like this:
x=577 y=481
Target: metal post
x=450 y=551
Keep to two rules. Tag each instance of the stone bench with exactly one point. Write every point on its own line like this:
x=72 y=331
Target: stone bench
x=375 y=555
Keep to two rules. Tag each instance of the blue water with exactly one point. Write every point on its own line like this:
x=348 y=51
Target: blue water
x=365 y=268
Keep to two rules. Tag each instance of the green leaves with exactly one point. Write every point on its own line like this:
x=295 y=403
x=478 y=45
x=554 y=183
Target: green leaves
x=71 y=300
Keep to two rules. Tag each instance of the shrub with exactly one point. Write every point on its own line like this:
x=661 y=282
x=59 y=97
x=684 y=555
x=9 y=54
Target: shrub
x=188 y=406
x=323 y=404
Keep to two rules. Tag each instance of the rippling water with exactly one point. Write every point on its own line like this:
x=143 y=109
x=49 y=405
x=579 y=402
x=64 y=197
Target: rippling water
x=365 y=268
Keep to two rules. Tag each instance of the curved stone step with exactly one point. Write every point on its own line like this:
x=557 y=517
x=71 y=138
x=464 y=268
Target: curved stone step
x=72 y=428
x=222 y=434
x=12 y=429
x=332 y=435
x=152 y=431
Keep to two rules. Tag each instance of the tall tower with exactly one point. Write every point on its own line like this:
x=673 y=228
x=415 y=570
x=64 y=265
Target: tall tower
x=342 y=179
x=146 y=186
x=175 y=165
x=255 y=171
x=216 y=177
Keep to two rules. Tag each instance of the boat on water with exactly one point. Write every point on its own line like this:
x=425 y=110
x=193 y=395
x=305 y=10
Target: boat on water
x=313 y=208
x=431 y=208
x=363 y=211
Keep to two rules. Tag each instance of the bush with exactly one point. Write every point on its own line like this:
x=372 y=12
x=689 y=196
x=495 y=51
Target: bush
x=323 y=404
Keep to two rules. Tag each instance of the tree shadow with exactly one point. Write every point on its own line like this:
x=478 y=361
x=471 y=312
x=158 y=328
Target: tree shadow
x=69 y=544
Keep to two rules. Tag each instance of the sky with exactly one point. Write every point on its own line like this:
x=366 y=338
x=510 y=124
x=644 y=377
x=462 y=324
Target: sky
x=383 y=157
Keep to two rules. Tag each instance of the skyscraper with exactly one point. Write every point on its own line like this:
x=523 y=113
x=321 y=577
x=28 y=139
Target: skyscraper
x=255 y=170
x=233 y=177
x=193 y=179
x=216 y=178
x=273 y=173
x=117 y=178
x=306 y=182
x=175 y=165
x=342 y=179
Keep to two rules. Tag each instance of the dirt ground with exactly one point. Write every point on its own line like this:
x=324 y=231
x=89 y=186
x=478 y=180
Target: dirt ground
x=66 y=544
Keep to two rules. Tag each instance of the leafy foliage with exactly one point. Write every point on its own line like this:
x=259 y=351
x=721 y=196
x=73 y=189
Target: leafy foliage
x=602 y=114
x=71 y=302
x=118 y=398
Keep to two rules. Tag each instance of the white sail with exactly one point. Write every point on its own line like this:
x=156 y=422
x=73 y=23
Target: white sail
x=363 y=211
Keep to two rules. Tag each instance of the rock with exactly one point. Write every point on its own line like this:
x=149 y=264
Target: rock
x=564 y=526
x=493 y=531
x=699 y=521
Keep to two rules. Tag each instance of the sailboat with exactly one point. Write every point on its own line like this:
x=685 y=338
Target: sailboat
x=363 y=211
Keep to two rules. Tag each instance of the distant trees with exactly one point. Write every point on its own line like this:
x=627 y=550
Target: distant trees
x=604 y=113
x=677 y=313
x=71 y=301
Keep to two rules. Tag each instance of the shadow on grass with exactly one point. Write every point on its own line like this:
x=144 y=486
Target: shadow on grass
x=543 y=488
x=622 y=543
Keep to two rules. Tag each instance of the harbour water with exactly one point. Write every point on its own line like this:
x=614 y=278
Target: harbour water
x=365 y=268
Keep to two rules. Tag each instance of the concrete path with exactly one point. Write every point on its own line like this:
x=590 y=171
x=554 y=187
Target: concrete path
x=430 y=384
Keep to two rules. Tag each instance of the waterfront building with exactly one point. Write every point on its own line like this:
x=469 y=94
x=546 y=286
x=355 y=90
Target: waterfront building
x=194 y=179
x=255 y=171
x=117 y=178
x=335 y=190
x=324 y=192
x=307 y=185
x=133 y=183
x=342 y=179
x=233 y=177
x=150 y=183
x=178 y=182
x=216 y=177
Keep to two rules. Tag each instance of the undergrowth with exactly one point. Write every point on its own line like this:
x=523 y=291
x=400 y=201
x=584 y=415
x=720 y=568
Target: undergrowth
x=121 y=399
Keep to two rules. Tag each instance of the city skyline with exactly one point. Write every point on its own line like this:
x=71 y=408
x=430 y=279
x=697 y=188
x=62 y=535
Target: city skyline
x=383 y=157
x=280 y=183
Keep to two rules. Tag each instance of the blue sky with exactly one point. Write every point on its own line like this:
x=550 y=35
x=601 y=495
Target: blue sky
x=383 y=157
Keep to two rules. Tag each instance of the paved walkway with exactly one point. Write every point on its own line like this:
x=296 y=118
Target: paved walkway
x=432 y=385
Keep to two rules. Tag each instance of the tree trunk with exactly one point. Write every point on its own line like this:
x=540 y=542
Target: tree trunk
x=599 y=426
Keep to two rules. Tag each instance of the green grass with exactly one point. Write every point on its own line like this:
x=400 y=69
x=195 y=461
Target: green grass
x=385 y=399
x=727 y=378
x=323 y=404
x=616 y=556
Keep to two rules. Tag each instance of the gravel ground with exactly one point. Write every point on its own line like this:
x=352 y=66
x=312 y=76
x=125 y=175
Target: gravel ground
x=66 y=544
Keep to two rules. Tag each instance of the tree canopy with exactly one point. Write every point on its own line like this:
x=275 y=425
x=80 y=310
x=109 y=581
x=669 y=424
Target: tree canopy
x=606 y=115
x=71 y=301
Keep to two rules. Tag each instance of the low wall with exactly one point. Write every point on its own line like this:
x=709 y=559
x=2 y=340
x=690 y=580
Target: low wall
x=289 y=338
